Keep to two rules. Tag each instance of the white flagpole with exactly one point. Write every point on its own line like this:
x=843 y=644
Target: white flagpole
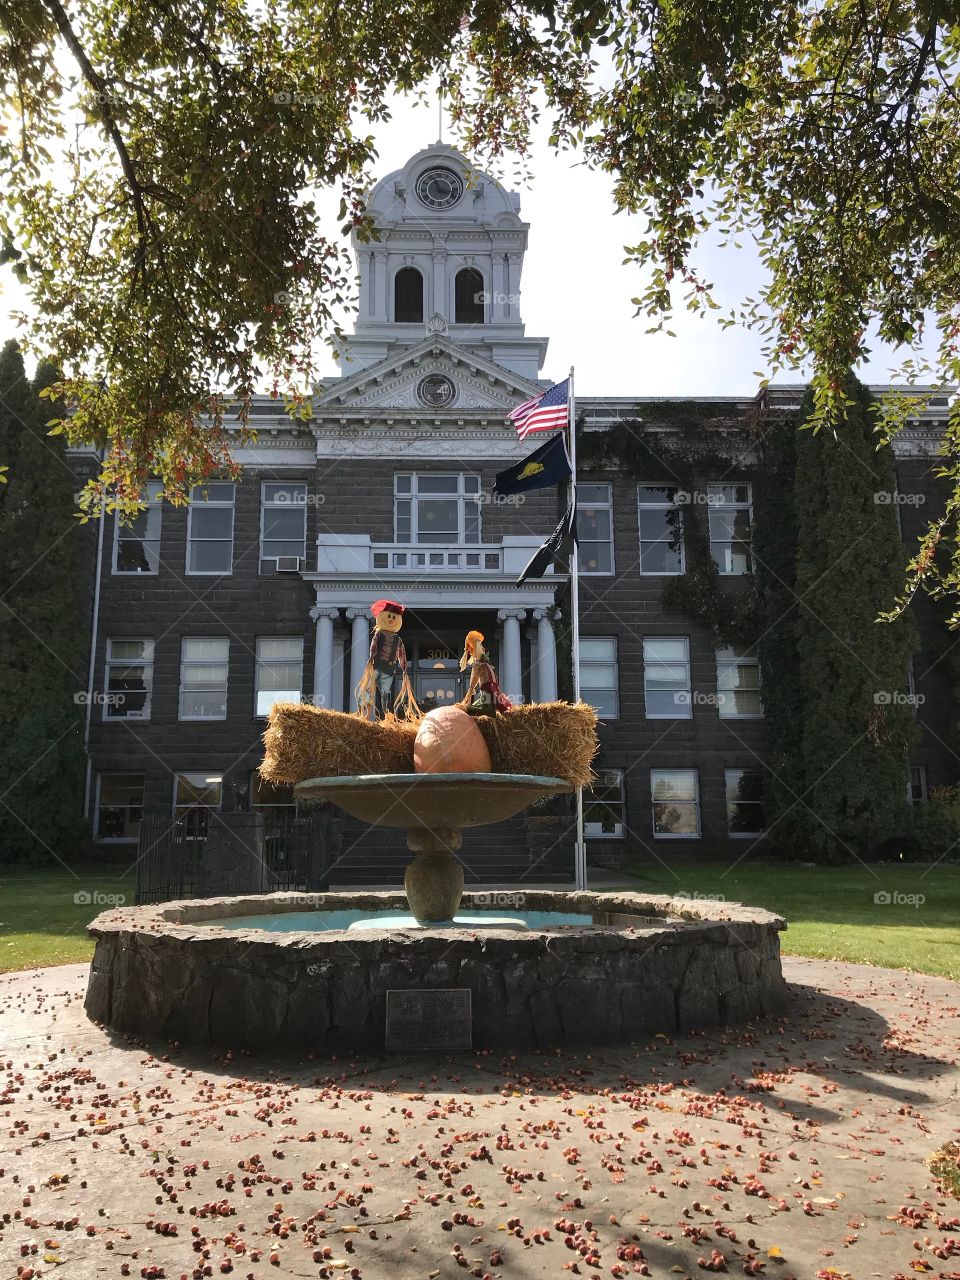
x=580 y=856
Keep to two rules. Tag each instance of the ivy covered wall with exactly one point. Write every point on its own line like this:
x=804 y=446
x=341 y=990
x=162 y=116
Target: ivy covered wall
x=827 y=559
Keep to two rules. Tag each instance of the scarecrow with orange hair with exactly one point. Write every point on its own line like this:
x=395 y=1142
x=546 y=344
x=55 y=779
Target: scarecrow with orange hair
x=484 y=697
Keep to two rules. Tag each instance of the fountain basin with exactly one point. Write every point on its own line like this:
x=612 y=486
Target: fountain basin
x=643 y=964
x=433 y=808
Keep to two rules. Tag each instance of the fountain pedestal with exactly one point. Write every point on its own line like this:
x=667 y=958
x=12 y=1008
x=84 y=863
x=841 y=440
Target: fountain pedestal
x=434 y=879
x=434 y=808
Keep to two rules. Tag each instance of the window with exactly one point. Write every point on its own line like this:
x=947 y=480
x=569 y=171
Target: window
x=745 y=812
x=408 y=296
x=195 y=797
x=136 y=546
x=666 y=679
x=738 y=684
x=436 y=509
x=661 y=530
x=203 y=679
x=283 y=523
x=129 y=680
x=603 y=807
x=210 y=528
x=676 y=803
x=595 y=528
x=731 y=515
x=279 y=671
x=119 y=806
x=917 y=784
x=468 y=297
x=599 y=680
x=271 y=797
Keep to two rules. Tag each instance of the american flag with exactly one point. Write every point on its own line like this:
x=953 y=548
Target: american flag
x=545 y=412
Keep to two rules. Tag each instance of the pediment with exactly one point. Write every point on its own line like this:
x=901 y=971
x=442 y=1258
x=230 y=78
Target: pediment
x=436 y=376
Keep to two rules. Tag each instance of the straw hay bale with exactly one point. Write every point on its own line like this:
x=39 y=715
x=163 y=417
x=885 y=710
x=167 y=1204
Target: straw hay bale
x=303 y=741
x=552 y=739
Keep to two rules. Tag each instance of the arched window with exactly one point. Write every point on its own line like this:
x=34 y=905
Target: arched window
x=468 y=296
x=408 y=296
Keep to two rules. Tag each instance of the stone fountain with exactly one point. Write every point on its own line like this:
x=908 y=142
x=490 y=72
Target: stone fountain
x=286 y=970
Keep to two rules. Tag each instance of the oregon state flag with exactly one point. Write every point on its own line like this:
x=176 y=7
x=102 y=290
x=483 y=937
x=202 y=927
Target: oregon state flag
x=546 y=466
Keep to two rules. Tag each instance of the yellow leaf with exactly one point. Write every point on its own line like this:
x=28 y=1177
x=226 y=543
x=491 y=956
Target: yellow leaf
x=774 y=1251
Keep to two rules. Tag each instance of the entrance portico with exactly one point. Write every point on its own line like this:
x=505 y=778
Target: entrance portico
x=517 y=621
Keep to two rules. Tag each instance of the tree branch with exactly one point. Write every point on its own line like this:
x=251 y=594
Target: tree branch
x=99 y=85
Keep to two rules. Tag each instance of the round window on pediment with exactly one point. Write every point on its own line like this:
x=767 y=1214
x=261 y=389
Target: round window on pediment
x=436 y=390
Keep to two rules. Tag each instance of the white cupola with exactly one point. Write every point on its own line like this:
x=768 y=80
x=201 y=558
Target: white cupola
x=448 y=261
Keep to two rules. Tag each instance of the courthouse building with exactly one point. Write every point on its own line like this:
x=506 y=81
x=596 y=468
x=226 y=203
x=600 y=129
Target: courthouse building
x=261 y=590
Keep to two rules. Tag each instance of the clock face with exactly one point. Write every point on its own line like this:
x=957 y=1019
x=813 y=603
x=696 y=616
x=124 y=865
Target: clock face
x=439 y=188
x=436 y=390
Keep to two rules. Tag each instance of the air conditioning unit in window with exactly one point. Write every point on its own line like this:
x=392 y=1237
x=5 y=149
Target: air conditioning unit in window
x=289 y=564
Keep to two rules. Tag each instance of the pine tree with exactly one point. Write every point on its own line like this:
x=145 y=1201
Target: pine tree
x=44 y=569
x=836 y=701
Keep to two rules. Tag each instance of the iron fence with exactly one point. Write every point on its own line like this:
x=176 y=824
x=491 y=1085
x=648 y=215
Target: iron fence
x=292 y=852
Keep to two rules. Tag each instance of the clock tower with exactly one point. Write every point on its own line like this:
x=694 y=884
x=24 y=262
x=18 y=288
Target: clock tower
x=448 y=261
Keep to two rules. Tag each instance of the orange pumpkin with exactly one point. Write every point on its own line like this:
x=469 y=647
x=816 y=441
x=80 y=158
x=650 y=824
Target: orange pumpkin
x=448 y=741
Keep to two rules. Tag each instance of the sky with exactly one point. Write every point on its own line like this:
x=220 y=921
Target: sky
x=576 y=290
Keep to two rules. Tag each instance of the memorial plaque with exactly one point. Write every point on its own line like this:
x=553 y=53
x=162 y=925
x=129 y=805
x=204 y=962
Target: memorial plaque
x=419 y=1020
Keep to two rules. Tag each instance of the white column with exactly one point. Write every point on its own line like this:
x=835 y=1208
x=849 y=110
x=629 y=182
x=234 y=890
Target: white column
x=498 y=285
x=546 y=657
x=381 y=285
x=439 y=286
x=511 y=309
x=359 y=649
x=323 y=655
x=511 y=680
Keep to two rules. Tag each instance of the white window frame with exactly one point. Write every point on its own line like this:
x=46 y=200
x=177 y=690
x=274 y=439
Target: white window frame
x=742 y=835
x=736 y=661
x=461 y=497
x=153 y=500
x=209 y=503
x=676 y=835
x=267 y=662
x=203 y=662
x=921 y=771
x=583 y=506
x=661 y=506
x=590 y=829
x=110 y=662
x=101 y=839
x=274 y=505
x=589 y=664
x=684 y=709
x=730 y=506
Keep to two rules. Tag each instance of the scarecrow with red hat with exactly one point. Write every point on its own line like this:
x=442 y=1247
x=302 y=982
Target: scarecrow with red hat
x=387 y=657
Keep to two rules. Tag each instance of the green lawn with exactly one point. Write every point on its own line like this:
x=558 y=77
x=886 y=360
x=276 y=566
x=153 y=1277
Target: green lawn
x=40 y=923
x=831 y=912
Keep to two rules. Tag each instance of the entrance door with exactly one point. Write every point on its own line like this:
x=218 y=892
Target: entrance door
x=438 y=681
x=434 y=643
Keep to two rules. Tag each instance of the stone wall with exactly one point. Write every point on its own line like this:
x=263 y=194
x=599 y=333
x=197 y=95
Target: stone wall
x=660 y=965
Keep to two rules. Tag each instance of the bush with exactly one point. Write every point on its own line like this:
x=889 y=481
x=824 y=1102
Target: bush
x=936 y=826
